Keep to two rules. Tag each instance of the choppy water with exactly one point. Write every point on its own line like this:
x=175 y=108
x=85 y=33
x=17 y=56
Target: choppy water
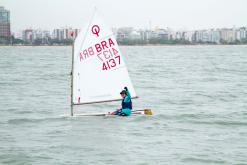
x=198 y=94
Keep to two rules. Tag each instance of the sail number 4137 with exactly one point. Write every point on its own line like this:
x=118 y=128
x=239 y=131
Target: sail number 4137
x=111 y=63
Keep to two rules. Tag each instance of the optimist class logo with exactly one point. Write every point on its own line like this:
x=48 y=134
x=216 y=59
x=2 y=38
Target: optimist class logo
x=95 y=30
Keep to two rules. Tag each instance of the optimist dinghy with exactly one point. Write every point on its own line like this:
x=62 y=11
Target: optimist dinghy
x=98 y=69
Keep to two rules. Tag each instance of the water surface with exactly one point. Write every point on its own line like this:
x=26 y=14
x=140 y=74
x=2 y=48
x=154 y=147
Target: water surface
x=198 y=95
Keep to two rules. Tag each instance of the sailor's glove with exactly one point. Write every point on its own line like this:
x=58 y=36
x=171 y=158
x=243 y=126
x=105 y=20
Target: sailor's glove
x=125 y=88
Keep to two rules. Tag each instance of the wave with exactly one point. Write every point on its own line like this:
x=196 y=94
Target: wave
x=221 y=123
x=33 y=120
x=200 y=160
x=203 y=119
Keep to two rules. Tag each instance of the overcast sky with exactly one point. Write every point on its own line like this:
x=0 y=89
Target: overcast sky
x=176 y=14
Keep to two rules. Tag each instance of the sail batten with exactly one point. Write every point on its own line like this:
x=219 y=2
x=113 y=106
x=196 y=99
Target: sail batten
x=99 y=71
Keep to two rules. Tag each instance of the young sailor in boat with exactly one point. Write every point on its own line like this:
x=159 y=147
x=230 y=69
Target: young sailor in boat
x=126 y=104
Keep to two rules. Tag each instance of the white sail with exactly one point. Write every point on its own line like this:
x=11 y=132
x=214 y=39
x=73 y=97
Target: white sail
x=99 y=71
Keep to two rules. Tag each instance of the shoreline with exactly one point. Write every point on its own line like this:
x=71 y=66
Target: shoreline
x=147 y=45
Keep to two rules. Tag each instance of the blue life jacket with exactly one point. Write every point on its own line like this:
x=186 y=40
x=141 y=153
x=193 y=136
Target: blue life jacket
x=126 y=104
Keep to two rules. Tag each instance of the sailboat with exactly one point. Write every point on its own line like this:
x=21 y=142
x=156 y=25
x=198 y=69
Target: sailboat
x=98 y=68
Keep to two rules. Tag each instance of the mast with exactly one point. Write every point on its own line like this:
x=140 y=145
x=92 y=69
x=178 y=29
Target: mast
x=71 y=85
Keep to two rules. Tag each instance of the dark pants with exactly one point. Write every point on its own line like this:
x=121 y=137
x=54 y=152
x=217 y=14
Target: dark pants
x=120 y=113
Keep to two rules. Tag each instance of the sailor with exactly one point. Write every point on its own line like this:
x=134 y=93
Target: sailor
x=126 y=104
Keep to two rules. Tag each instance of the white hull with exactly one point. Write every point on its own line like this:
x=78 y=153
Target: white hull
x=107 y=115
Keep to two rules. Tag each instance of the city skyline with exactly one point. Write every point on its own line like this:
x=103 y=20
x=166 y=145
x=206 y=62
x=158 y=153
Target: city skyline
x=132 y=36
x=179 y=15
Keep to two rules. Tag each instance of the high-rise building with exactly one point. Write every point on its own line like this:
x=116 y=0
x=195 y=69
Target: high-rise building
x=5 y=33
x=227 y=35
x=241 y=33
x=28 y=35
x=65 y=33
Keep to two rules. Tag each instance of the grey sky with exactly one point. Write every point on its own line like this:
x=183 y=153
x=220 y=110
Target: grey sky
x=176 y=14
